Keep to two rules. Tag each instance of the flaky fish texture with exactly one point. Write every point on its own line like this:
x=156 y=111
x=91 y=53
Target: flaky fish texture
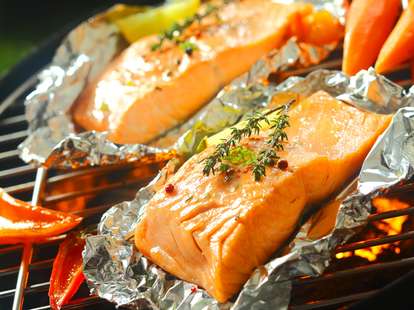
x=145 y=92
x=214 y=231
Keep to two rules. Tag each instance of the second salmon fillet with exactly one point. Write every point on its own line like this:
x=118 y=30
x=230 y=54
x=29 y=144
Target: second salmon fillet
x=213 y=231
x=144 y=93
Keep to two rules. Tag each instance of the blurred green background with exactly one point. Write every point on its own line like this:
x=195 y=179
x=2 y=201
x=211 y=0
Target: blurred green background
x=25 y=24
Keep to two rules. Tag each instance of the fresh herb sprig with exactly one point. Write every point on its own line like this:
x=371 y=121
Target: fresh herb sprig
x=266 y=157
x=175 y=33
x=223 y=149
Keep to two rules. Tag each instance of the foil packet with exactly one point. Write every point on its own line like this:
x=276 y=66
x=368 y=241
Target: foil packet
x=53 y=137
x=117 y=271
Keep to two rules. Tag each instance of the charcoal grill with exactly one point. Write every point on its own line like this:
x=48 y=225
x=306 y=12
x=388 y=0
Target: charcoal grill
x=25 y=270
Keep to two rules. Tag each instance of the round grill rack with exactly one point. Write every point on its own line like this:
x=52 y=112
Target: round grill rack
x=25 y=270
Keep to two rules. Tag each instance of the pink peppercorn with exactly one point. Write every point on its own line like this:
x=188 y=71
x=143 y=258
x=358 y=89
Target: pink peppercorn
x=282 y=164
x=169 y=188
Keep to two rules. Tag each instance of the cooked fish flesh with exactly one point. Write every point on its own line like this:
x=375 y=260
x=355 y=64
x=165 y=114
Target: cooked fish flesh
x=145 y=92
x=213 y=231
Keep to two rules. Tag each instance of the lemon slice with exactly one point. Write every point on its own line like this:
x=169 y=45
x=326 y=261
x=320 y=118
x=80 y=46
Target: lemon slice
x=155 y=20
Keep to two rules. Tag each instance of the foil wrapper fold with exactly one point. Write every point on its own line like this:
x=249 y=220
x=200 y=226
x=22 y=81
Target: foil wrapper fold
x=85 y=52
x=116 y=271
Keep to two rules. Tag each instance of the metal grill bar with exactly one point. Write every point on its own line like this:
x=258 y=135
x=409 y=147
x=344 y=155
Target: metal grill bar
x=28 y=249
x=51 y=240
x=19 y=188
x=10 y=100
x=17 y=171
x=354 y=271
x=336 y=301
x=38 y=265
x=13 y=137
x=390 y=214
x=9 y=155
x=13 y=121
x=78 y=303
x=374 y=242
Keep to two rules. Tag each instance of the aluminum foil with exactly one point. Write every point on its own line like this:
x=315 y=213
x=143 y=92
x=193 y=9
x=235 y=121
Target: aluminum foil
x=116 y=271
x=87 y=50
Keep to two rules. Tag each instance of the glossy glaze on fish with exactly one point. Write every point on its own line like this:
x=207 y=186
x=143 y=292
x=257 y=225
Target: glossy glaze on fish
x=143 y=93
x=213 y=231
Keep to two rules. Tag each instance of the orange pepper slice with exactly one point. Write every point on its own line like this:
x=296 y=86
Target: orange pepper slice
x=368 y=26
x=321 y=28
x=21 y=222
x=316 y=27
x=399 y=46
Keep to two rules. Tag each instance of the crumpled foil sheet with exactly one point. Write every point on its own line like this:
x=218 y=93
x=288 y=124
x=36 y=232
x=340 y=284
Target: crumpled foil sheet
x=116 y=271
x=92 y=148
x=53 y=136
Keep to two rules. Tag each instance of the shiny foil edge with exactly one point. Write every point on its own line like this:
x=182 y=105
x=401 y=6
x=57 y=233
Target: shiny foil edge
x=84 y=53
x=116 y=271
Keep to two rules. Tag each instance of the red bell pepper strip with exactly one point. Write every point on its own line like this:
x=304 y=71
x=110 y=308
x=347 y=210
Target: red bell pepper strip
x=20 y=222
x=67 y=275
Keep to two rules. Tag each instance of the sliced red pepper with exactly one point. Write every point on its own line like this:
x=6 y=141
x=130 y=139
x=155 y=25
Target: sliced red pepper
x=67 y=275
x=21 y=222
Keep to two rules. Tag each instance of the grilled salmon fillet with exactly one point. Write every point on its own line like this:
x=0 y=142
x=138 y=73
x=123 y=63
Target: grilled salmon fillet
x=214 y=232
x=143 y=92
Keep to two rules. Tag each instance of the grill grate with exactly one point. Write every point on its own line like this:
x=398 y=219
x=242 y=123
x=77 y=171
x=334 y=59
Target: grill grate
x=89 y=192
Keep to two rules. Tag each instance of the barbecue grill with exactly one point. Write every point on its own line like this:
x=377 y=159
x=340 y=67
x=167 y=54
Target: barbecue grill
x=25 y=270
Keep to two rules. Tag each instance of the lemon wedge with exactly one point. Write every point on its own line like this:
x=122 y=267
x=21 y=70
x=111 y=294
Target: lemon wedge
x=153 y=20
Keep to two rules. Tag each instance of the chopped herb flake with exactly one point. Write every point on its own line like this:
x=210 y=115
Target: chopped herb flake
x=188 y=47
x=104 y=107
x=240 y=156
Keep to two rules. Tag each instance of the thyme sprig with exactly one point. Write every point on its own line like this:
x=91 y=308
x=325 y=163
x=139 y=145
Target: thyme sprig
x=223 y=149
x=175 y=33
x=266 y=157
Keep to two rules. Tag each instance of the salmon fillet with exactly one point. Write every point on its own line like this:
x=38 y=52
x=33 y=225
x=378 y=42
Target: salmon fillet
x=143 y=93
x=214 y=232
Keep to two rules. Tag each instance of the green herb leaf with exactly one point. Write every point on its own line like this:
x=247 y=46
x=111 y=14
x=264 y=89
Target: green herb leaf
x=269 y=157
x=240 y=156
x=104 y=107
x=188 y=47
x=156 y=46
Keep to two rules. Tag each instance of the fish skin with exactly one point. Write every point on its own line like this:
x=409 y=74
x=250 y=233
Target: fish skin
x=144 y=93
x=214 y=232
